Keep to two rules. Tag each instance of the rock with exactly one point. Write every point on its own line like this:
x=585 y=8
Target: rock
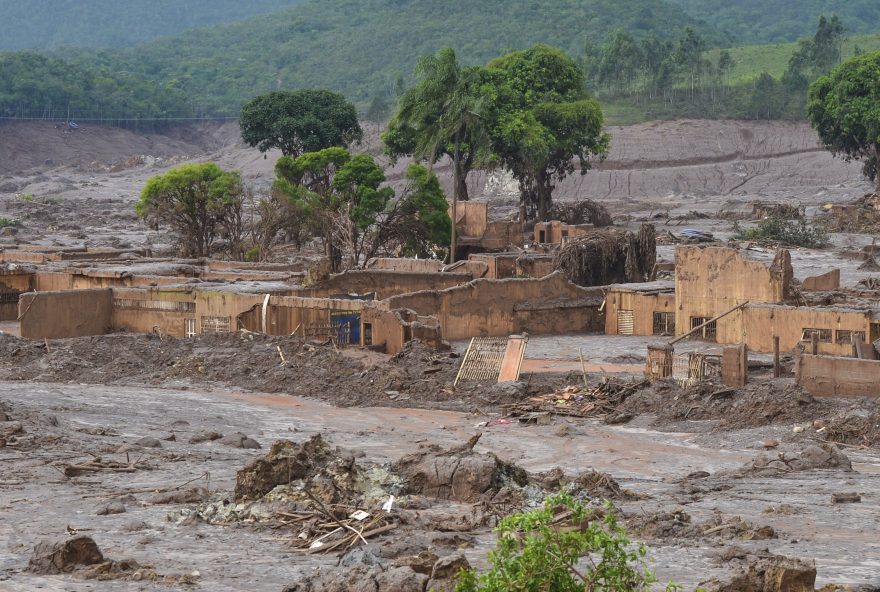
x=148 y=442
x=191 y=495
x=619 y=418
x=845 y=498
x=561 y=430
x=698 y=475
x=239 y=440
x=401 y=579
x=64 y=556
x=115 y=507
x=10 y=428
x=170 y=438
x=448 y=567
x=205 y=437
x=135 y=526
x=284 y=463
x=765 y=572
x=770 y=443
x=4 y=417
x=458 y=473
x=422 y=563
x=790 y=575
x=358 y=556
x=444 y=575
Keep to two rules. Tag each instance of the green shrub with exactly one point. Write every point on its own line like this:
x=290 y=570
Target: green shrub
x=4 y=222
x=533 y=554
x=796 y=233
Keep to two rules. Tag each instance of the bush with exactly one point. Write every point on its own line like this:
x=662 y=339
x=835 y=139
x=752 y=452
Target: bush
x=536 y=553
x=796 y=233
x=4 y=222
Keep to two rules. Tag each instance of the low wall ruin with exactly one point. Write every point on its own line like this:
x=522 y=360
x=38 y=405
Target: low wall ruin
x=827 y=376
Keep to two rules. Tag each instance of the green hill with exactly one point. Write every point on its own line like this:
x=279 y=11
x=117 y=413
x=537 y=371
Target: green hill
x=771 y=21
x=361 y=47
x=42 y=24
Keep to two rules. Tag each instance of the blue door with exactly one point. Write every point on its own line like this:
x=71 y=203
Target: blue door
x=346 y=327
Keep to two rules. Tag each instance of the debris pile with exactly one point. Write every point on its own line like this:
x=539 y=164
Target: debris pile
x=762 y=571
x=585 y=211
x=609 y=256
x=812 y=457
x=577 y=401
x=861 y=216
x=678 y=524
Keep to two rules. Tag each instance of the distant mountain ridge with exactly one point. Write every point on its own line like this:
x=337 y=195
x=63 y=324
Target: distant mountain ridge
x=44 y=24
x=360 y=47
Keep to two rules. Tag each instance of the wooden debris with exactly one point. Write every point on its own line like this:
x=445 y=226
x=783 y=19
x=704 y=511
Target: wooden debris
x=845 y=498
x=576 y=401
x=97 y=465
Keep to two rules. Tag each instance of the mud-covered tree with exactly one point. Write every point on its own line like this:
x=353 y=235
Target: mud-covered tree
x=541 y=119
x=341 y=194
x=299 y=121
x=418 y=223
x=199 y=202
x=844 y=108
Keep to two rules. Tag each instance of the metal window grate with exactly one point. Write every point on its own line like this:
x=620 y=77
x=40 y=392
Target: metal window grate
x=625 y=322
x=483 y=359
x=9 y=297
x=216 y=324
x=664 y=323
x=189 y=328
x=707 y=333
x=169 y=305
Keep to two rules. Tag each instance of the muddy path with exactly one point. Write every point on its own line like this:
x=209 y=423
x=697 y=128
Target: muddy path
x=71 y=422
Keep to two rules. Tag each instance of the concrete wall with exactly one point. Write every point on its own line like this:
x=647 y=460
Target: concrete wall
x=822 y=283
x=712 y=280
x=383 y=283
x=554 y=231
x=643 y=307
x=825 y=376
x=501 y=307
x=160 y=310
x=55 y=315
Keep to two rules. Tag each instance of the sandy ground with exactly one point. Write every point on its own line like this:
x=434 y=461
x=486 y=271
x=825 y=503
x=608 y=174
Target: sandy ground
x=37 y=502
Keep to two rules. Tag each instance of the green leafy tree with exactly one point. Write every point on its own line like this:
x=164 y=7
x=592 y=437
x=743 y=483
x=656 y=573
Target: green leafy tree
x=535 y=554
x=340 y=194
x=199 y=202
x=766 y=100
x=541 y=118
x=299 y=121
x=440 y=115
x=844 y=108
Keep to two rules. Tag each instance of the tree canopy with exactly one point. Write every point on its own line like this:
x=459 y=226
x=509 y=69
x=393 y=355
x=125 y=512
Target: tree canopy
x=844 y=107
x=541 y=118
x=200 y=202
x=299 y=121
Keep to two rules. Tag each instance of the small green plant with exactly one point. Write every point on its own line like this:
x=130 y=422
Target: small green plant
x=4 y=222
x=796 y=233
x=588 y=552
x=28 y=197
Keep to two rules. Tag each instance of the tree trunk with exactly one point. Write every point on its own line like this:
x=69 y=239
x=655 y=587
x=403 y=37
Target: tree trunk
x=456 y=171
x=544 y=195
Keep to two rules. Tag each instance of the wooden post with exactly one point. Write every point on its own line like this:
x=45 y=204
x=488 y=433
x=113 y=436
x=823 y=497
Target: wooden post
x=777 y=368
x=583 y=366
x=814 y=343
x=695 y=329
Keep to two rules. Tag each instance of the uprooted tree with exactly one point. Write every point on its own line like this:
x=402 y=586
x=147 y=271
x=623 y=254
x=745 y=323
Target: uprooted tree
x=299 y=121
x=540 y=119
x=609 y=256
x=844 y=107
x=343 y=199
x=199 y=202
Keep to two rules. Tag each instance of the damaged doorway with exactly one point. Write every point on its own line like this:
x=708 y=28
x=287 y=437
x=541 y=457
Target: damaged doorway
x=346 y=327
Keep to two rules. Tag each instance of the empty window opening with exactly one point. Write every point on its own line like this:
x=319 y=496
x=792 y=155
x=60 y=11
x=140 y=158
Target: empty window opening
x=709 y=332
x=845 y=336
x=368 y=333
x=664 y=323
x=824 y=335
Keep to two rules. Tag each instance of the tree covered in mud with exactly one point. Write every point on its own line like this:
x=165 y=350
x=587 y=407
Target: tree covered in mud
x=199 y=202
x=844 y=107
x=342 y=197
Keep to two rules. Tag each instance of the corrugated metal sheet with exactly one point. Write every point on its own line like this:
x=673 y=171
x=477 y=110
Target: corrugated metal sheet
x=624 y=322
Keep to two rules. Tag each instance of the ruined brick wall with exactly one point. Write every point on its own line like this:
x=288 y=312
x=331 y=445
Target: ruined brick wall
x=55 y=315
x=384 y=283
x=502 y=307
x=641 y=306
x=712 y=280
x=825 y=376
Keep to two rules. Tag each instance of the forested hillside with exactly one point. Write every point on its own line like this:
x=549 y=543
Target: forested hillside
x=41 y=24
x=770 y=21
x=362 y=47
